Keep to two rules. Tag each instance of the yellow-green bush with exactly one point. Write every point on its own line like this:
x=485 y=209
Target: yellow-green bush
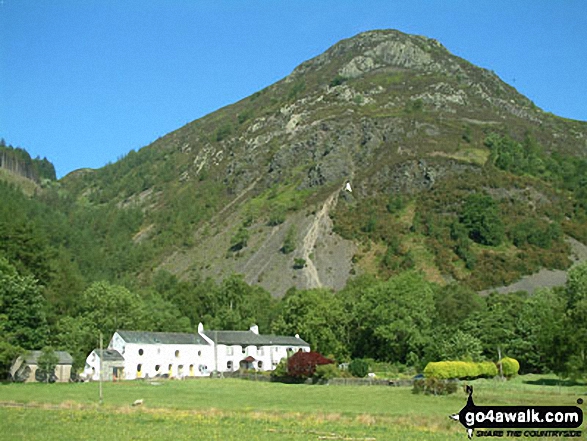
x=509 y=366
x=460 y=369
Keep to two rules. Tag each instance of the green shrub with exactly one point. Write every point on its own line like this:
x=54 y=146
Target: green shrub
x=509 y=366
x=460 y=369
x=434 y=386
x=289 y=243
x=488 y=370
x=281 y=369
x=326 y=372
x=359 y=368
x=299 y=263
x=337 y=80
x=239 y=240
x=223 y=132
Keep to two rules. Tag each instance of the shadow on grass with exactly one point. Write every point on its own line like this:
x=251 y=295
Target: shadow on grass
x=553 y=382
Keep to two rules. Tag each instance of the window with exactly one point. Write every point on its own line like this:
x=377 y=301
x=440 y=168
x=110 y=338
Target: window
x=139 y=368
x=260 y=350
x=157 y=367
x=229 y=350
x=141 y=352
x=199 y=353
x=244 y=349
x=177 y=354
x=229 y=365
x=260 y=365
x=276 y=349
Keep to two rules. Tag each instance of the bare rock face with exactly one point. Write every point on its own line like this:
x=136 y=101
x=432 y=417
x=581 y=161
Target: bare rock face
x=359 y=66
x=404 y=54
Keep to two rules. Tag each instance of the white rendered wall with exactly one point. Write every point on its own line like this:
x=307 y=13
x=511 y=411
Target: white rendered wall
x=268 y=356
x=92 y=367
x=175 y=360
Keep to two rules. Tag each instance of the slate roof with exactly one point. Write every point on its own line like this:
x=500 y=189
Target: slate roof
x=169 y=338
x=110 y=355
x=249 y=338
x=32 y=357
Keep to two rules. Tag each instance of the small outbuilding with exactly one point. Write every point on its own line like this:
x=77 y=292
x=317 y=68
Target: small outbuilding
x=112 y=365
x=26 y=368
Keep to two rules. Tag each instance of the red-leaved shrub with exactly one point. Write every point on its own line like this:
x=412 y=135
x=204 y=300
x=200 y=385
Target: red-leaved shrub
x=303 y=364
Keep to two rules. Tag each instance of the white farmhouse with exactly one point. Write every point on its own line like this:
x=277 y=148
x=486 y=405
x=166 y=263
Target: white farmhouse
x=249 y=349
x=156 y=354
x=136 y=354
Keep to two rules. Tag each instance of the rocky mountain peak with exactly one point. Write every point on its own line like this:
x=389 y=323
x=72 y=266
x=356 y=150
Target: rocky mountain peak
x=374 y=50
x=257 y=188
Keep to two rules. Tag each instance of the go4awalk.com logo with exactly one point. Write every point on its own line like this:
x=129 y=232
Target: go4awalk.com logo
x=519 y=421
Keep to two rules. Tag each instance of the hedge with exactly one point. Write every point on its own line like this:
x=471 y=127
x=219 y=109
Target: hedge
x=460 y=369
x=509 y=366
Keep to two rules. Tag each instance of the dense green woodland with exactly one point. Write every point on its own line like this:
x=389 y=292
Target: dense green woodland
x=18 y=160
x=69 y=269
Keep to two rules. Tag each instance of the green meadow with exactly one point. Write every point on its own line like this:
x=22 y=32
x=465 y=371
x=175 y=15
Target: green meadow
x=229 y=409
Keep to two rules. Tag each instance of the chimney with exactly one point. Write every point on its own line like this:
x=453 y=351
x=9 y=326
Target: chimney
x=200 y=328
x=255 y=329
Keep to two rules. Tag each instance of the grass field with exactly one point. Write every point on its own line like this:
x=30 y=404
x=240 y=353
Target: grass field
x=224 y=409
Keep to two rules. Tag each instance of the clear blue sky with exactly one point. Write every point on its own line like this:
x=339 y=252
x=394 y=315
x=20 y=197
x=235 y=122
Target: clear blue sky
x=82 y=82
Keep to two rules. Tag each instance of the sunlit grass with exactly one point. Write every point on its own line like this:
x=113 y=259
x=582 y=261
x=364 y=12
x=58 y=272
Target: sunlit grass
x=227 y=409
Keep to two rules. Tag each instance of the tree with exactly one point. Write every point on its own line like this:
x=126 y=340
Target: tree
x=8 y=351
x=495 y=325
x=24 y=244
x=576 y=336
x=164 y=316
x=480 y=214
x=24 y=310
x=318 y=316
x=111 y=307
x=540 y=340
x=197 y=298
x=576 y=286
x=78 y=336
x=454 y=303
x=46 y=365
x=395 y=319
x=460 y=346
x=239 y=305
